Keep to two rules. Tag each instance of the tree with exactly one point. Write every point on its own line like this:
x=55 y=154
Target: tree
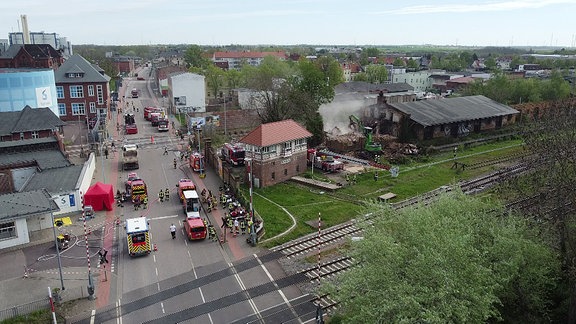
x=412 y=64
x=215 y=79
x=398 y=62
x=457 y=260
x=376 y=73
x=194 y=57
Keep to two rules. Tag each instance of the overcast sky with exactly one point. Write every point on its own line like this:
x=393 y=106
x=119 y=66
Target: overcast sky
x=290 y=22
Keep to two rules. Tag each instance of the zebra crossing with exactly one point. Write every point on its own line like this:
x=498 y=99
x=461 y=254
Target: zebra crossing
x=142 y=142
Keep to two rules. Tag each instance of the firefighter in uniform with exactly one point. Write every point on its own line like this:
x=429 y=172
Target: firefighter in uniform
x=250 y=222
x=167 y=194
x=243 y=225
x=161 y=195
x=214 y=202
x=230 y=223
x=212 y=233
x=137 y=203
x=209 y=205
x=175 y=163
x=145 y=202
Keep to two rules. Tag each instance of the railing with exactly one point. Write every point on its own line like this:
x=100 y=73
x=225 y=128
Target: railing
x=24 y=309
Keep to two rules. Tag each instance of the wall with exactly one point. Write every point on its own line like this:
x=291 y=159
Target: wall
x=192 y=87
x=294 y=165
x=85 y=180
x=22 y=238
x=35 y=88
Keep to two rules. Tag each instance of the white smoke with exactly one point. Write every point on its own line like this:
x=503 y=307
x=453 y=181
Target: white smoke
x=336 y=113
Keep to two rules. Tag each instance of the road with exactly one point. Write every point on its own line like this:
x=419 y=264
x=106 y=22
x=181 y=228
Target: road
x=183 y=281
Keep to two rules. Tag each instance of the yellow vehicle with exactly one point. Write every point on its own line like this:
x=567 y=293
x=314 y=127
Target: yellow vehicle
x=138 y=236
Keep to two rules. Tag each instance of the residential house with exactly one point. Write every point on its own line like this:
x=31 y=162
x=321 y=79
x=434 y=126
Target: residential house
x=186 y=92
x=124 y=64
x=82 y=89
x=29 y=123
x=237 y=59
x=278 y=151
x=31 y=56
x=162 y=74
x=447 y=117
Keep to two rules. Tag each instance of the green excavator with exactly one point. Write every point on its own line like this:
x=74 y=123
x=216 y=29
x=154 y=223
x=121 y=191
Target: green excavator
x=370 y=147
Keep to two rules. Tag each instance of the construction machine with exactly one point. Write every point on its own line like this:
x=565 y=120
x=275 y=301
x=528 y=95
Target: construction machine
x=370 y=147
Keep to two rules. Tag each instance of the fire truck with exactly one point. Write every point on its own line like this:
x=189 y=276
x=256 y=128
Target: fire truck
x=189 y=198
x=324 y=162
x=138 y=236
x=163 y=124
x=130 y=124
x=138 y=190
x=130 y=157
x=195 y=228
x=233 y=154
x=197 y=162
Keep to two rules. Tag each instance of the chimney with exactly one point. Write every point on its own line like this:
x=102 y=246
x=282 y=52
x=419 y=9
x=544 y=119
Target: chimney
x=25 y=31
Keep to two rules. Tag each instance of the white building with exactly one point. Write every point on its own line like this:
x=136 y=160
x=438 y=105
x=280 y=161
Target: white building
x=419 y=80
x=186 y=92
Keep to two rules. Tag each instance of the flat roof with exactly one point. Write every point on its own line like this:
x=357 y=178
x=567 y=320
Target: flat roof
x=138 y=224
x=188 y=194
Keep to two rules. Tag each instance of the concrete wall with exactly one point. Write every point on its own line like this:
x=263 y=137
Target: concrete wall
x=189 y=86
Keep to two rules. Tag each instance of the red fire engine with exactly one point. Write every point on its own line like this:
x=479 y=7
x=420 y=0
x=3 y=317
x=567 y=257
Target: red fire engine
x=189 y=198
x=233 y=154
x=197 y=162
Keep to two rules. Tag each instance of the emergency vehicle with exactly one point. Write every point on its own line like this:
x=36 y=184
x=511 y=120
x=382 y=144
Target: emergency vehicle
x=138 y=189
x=189 y=198
x=324 y=162
x=134 y=93
x=233 y=154
x=197 y=162
x=163 y=124
x=138 y=236
x=195 y=228
x=155 y=117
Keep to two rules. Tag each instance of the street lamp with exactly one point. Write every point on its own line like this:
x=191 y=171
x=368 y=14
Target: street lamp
x=56 y=242
x=253 y=235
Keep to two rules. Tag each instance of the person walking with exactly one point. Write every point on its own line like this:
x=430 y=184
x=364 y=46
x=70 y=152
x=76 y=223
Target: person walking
x=145 y=202
x=173 y=231
x=175 y=163
x=165 y=150
x=161 y=195
x=106 y=152
x=167 y=194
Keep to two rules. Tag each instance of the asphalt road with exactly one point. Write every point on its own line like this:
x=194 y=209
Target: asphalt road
x=178 y=281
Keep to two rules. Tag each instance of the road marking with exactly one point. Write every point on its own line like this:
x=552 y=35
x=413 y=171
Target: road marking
x=92 y=317
x=243 y=287
x=118 y=312
x=162 y=305
x=199 y=288
x=162 y=217
x=277 y=288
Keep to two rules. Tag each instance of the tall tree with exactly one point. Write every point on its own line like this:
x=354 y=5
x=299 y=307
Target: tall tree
x=376 y=73
x=194 y=57
x=215 y=78
x=454 y=261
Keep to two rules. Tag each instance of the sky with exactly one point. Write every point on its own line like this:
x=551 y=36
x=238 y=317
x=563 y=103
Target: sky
x=295 y=22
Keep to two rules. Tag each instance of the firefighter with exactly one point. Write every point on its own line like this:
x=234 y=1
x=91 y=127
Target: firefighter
x=236 y=226
x=167 y=194
x=212 y=233
x=214 y=202
x=375 y=175
x=250 y=222
x=230 y=223
x=175 y=163
x=145 y=202
x=161 y=195
x=209 y=205
x=137 y=203
x=243 y=225
x=347 y=178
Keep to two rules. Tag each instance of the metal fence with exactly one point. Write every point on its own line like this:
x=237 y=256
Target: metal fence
x=24 y=309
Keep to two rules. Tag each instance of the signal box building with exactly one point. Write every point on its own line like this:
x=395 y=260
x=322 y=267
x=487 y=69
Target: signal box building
x=277 y=151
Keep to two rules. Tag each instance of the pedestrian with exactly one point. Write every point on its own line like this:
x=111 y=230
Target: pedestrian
x=152 y=139
x=165 y=150
x=375 y=175
x=173 y=231
x=354 y=179
x=145 y=202
x=106 y=152
x=167 y=194
x=161 y=195
x=175 y=163
x=236 y=226
x=223 y=221
x=230 y=223
x=212 y=233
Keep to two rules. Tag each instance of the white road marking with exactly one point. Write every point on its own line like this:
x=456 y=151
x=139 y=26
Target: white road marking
x=243 y=287
x=162 y=305
x=162 y=217
x=92 y=316
x=118 y=312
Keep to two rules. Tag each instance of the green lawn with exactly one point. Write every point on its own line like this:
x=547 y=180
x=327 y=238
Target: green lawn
x=415 y=178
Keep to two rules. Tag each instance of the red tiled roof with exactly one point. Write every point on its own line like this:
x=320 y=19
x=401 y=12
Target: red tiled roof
x=220 y=55
x=275 y=133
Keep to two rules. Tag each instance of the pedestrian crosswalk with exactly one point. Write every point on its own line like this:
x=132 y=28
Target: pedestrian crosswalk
x=78 y=150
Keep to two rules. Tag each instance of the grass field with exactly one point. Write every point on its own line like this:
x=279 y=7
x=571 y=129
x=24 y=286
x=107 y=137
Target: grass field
x=274 y=204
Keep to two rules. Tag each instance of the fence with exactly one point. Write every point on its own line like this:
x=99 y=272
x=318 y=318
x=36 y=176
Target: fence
x=24 y=309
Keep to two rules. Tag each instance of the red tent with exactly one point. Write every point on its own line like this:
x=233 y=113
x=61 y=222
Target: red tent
x=100 y=196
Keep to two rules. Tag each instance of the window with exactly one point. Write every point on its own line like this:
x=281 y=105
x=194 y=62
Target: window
x=78 y=109
x=100 y=94
x=285 y=172
x=76 y=91
x=273 y=175
x=35 y=134
x=92 y=107
x=7 y=230
x=297 y=169
x=90 y=90
x=62 y=109
x=60 y=92
x=21 y=135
